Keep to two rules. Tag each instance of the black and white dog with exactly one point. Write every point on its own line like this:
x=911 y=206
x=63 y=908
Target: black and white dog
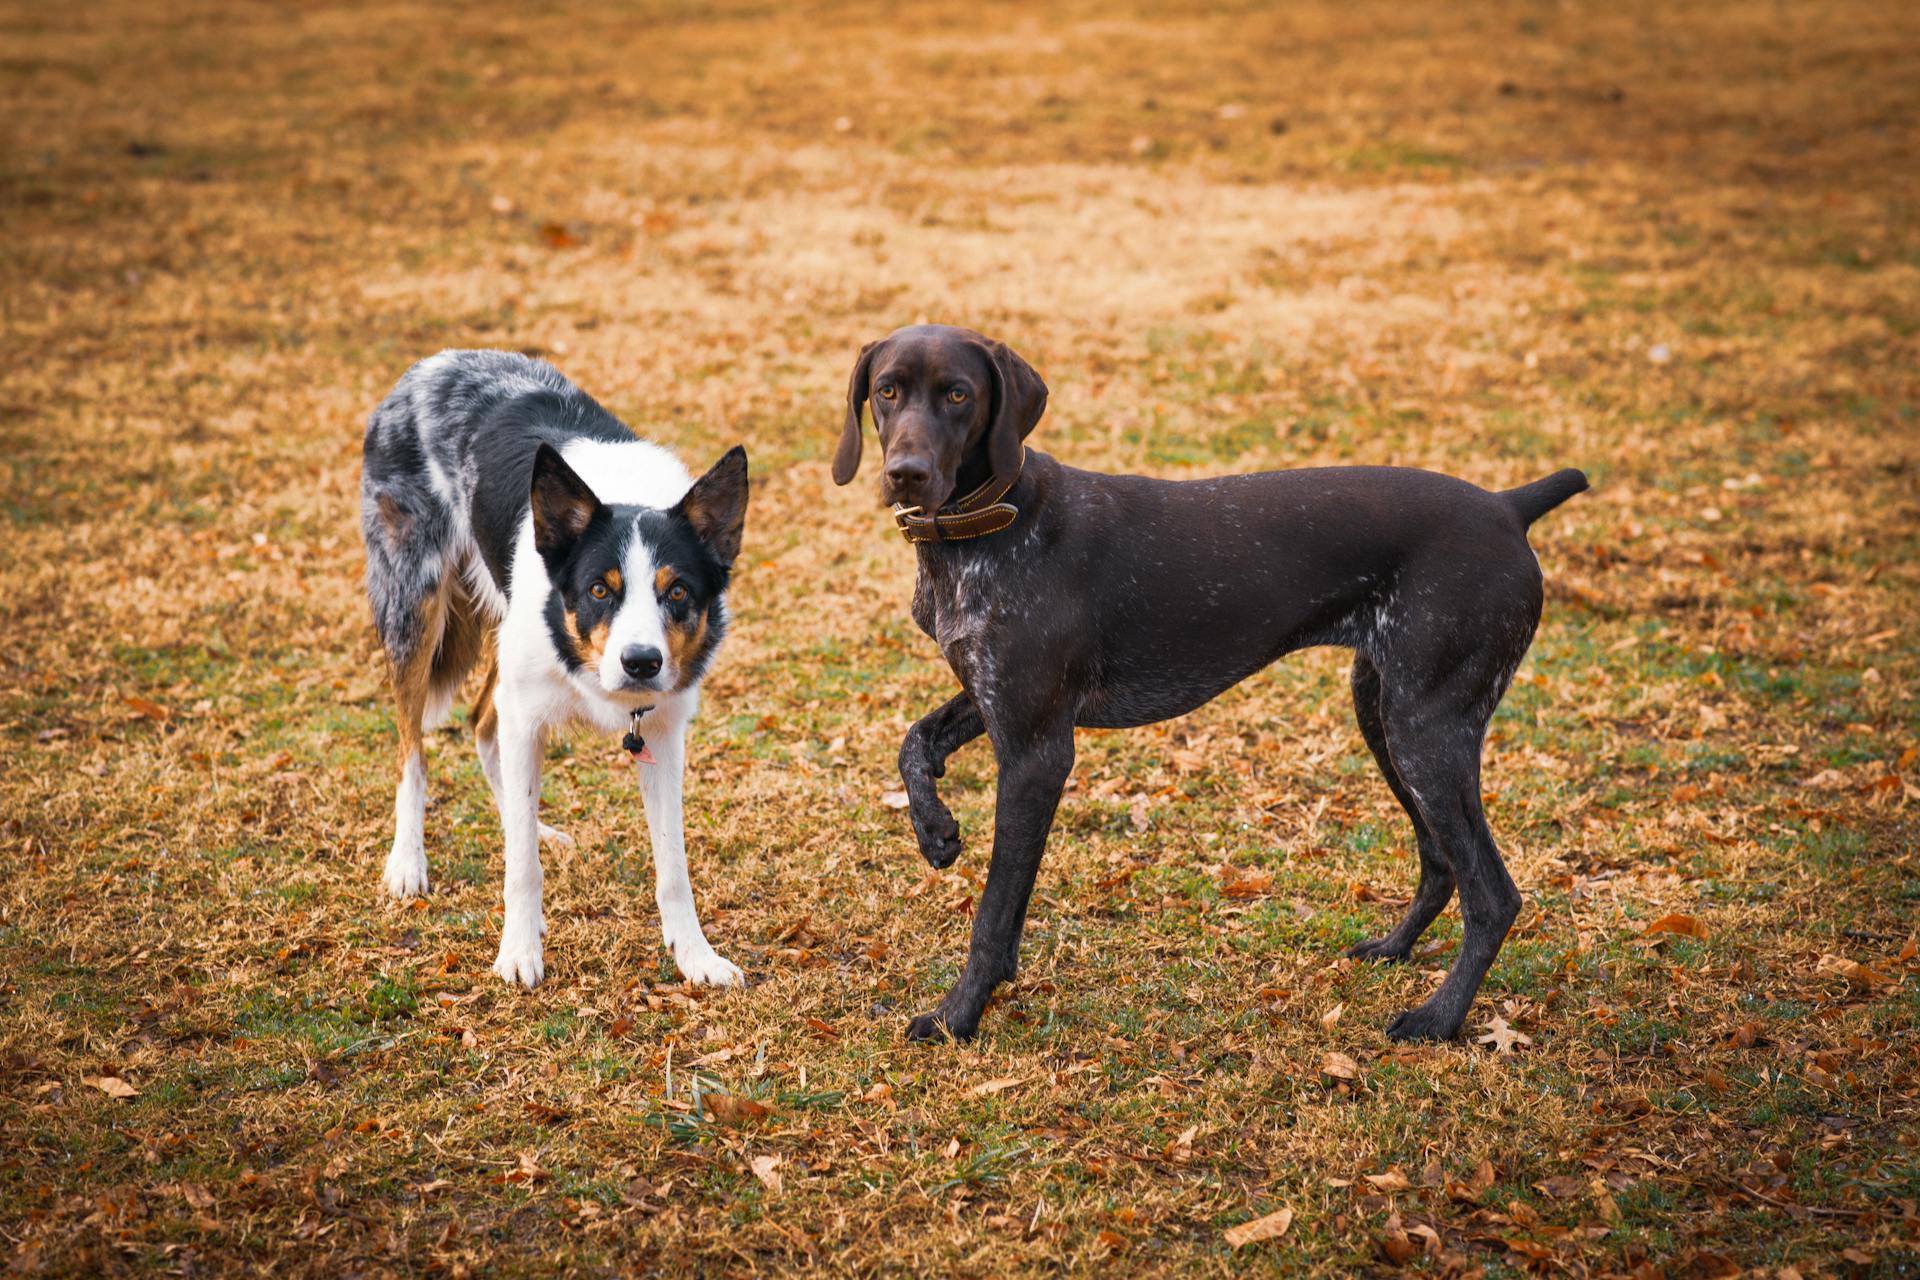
x=510 y=520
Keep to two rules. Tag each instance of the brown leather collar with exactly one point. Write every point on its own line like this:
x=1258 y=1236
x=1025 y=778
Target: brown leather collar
x=979 y=513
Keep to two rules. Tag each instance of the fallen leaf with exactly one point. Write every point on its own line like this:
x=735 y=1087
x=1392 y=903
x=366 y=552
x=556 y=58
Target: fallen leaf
x=1676 y=923
x=1394 y=1179
x=112 y=1086
x=541 y=1113
x=147 y=707
x=894 y=799
x=1180 y=1150
x=767 y=1169
x=1502 y=1037
x=1332 y=1015
x=986 y=1087
x=1339 y=1066
x=1267 y=1227
x=1429 y=1238
x=732 y=1110
x=1860 y=976
x=1395 y=1245
x=1245 y=882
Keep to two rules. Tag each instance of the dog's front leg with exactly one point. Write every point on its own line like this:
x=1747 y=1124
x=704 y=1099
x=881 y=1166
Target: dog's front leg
x=521 y=958
x=923 y=758
x=660 y=785
x=1033 y=772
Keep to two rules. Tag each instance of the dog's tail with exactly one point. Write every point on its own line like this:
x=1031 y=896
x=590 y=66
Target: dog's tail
x=1531 y=501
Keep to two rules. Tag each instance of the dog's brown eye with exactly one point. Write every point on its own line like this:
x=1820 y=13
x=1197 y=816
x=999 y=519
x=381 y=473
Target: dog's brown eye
x=599 y=591
x=677 y=593
x=888 y=393
x=957 y=396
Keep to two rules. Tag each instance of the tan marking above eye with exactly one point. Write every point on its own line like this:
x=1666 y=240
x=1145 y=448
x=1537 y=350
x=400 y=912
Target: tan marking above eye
x=613 y=579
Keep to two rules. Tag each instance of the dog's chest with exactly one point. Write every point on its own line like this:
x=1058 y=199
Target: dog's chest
x=954 y=605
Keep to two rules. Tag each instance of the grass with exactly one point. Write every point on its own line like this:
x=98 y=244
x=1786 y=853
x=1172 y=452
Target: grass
x=1675 y=248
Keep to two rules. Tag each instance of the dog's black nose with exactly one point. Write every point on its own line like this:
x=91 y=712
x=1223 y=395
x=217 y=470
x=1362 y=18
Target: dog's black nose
x=641 y=661
x=908 y=475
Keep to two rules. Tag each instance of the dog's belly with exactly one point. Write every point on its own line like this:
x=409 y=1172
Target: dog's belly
x=1128 y=703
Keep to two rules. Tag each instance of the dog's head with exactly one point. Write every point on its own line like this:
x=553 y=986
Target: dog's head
x=938 y=394
x=638 y=593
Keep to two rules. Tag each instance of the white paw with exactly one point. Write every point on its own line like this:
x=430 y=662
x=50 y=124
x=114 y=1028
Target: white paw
x=700 y=964
x=555 y=837
x=522 y=959
x=406 y=874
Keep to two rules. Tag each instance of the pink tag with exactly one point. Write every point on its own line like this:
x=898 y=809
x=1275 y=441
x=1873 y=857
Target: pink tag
x=645 y=756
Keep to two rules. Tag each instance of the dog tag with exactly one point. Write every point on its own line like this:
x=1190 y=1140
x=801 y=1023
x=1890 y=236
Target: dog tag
x=638 y=746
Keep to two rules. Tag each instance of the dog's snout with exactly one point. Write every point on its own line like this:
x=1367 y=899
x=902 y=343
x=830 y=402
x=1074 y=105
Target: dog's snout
x=640 y=661
x=908 y=474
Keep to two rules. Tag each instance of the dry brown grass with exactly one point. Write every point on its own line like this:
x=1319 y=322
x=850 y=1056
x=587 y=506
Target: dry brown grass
x=1318 y=232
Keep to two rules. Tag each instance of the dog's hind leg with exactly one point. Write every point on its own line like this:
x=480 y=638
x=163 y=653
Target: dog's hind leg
x=1436 y=877
x=406 y=870
x=1434 y=741
x=923 y=758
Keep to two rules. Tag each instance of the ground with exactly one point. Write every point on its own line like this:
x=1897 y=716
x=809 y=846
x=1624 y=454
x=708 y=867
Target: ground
x=1675 y=246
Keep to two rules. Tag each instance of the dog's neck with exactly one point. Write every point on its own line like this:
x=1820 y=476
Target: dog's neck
x=967 y=541
x=979 y=512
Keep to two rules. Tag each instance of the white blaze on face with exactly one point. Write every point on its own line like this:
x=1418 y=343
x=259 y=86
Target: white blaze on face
x=639 y=621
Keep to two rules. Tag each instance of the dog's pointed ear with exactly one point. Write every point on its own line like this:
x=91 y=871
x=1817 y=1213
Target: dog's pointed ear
x=716 y=505
x=562 y=503
x=1019 y=398
x=846 y=459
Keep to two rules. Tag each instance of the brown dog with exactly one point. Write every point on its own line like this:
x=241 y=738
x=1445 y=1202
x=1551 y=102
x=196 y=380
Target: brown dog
x=1065 y=598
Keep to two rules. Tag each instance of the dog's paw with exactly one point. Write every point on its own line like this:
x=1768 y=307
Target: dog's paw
x=406 y=874
x=522 y=959
x=1424 y=1023
x=1382 y=949
x=938 y=834
x=555 y=837
x=701 y=965
x=932 y=1028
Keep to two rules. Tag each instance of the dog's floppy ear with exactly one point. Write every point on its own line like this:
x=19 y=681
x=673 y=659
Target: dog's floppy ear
x=716 y=505
x=1019 y=398
x=846 y=459
x=563 y=506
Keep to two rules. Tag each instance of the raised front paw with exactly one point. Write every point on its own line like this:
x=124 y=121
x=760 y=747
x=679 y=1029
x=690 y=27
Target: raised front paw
x=406 y=874
x=522 y=959
x=701 y=965
x=937 y=832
